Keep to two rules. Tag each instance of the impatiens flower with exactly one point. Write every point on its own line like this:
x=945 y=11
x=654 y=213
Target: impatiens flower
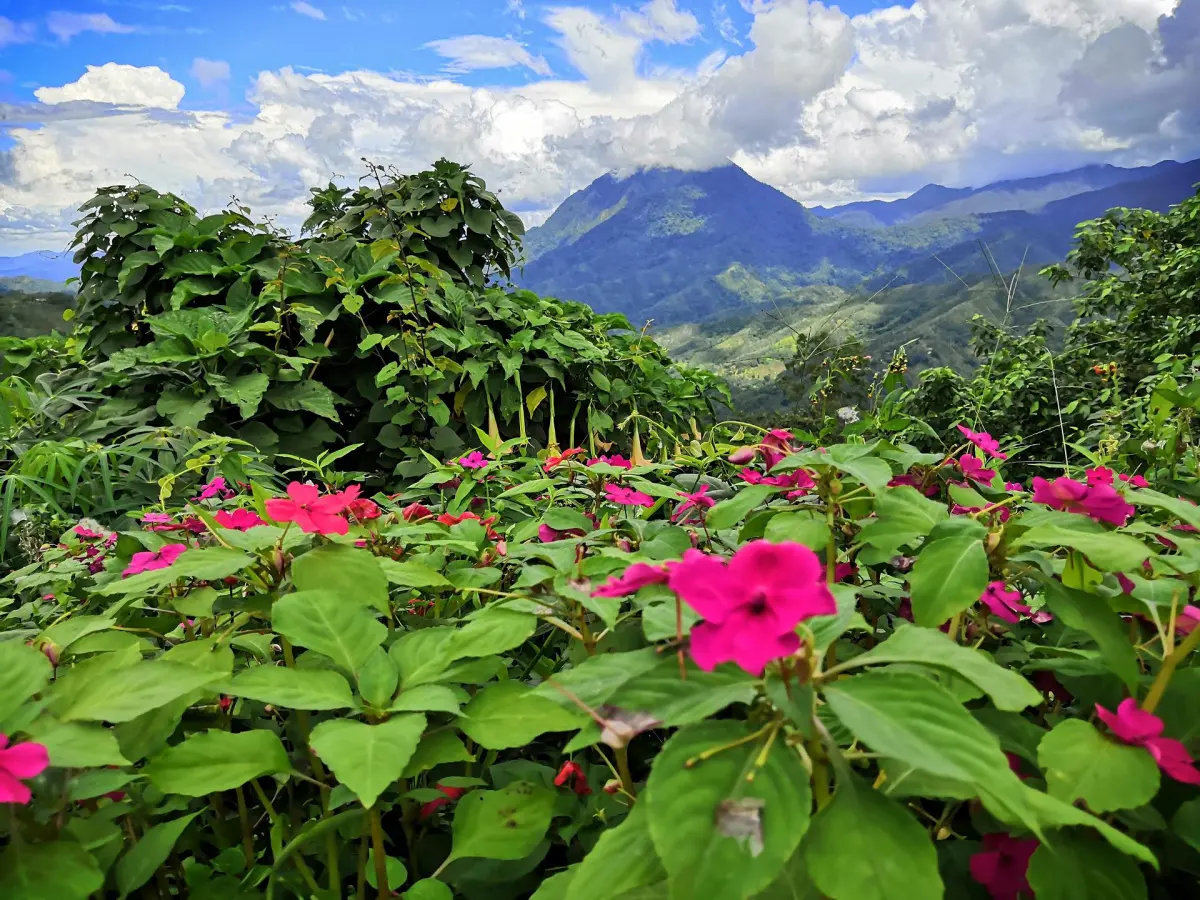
x=473 y=460
x=697 y=501
x=1003 y=603
x=313 y=513
x=415 y=511
x=238 y=519
x=19 y=762
x=984 y=442
x=633 y=580
x=1047 y=682
x=1101 y=502
x=752 y=603
x=214 y=488
x=1133 y=725
x=87 y=534
x=1135 y=480
x=548 y=535
x=1003 y=864
x=554 y=461
x=615 y=460
x=914 y=482
x=743 y=455
x=1188 y=619
x=156 y=518
x=802 y=482
x=1099 y=475
x=452 y=794
x=776 y=445
x=571 y=771
x=363 y=509
x=149 y=560
x=624 y=496
x=1002 y=512
x=844 y=570
x=973 y=469
x=1014 y=486
x=449 y=519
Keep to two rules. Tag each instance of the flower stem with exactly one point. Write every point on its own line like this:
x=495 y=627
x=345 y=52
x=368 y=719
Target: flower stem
x=381 y=878
x=247 y=834
x=1163 y=678
x=623 y=770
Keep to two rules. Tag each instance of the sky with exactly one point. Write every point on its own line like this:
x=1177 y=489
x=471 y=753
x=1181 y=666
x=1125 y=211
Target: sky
x=263 y=99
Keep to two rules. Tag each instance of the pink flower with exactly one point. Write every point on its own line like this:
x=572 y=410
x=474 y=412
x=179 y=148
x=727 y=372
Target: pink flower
x=313 y=513
x=914 y=482
x=87 y=534
x=553 y=461
x=1003 y=603
x=743 y=455
x=973 y=469
x=697 y=501
x=752 y=603
x=844 y=570
x=214 y=488
x=1101 y=502
x=801 y=482
x=775 y=446
x=984 y=442
x=1135 y=480
x=615 y=460
x=154 y=559
x=548 y=535
x=1003 y=864
x=1136 y=727
x=1098 y=475
x=18 y=762
x=1014 y=486
x=1188 y=619
x=239 y=519
x=633 y=580
x=415 y=511
x=156 y=518
x=473 y=460
x=624 y=496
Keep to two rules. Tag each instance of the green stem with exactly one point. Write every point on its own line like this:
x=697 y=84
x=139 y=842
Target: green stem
x=381 y=879
x=623 y=770
x=1163 y=678
x=247 y=832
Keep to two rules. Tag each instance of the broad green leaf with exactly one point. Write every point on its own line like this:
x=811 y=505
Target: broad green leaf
x=1177 y=507
x=426 y=698
x=315 y=689
x=58 y=870
x=1107 y=550
x=1092 y=614
x=77 y=745
x=495 y=630
x=216 y=760
x=1082 y=764
x=729 y=512
x=87 y=785
x=308 y=395
x=351 y=574
x=435 y=749
x=719 y=834
x=411 y=574
x=26 y=672
x=138 y=866
x=421 y=655
x=503 y=824
x=209 y=564
x=397 y=873
x=595 y=679
x=378 y=679
x=928 y=647
x=367 y=758
x=1186 y=823
x=949 y=576
x=623 y=859
x=807 y=527
x=245 y=390
x=863 y=846
x=341 y=629
x=509 y=714
x=429 y=889
x=65 y=633
x=674 y=701
x=903 y=518
x=119 y=695
x=1075 y=866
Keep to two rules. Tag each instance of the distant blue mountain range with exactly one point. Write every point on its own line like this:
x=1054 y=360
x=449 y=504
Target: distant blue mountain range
x=44 y=265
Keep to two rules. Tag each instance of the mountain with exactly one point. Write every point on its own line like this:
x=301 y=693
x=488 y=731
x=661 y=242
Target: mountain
x=30 y=306
x=44 y=265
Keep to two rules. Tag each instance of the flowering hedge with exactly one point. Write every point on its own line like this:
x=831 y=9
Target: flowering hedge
x=859 y=672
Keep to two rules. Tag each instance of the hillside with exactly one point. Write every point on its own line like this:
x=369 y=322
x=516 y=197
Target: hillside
x=29 y=307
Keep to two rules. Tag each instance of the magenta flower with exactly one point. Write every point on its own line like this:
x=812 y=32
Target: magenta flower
x=624 y=496
x=697 y=501
x=1135 y=480
x=844 y=570
x=473 y=460
x=743 y=455
x=775 y=446
x=1136 y=727
x=87 y=534
x=19 y=762
x=615 y=460
x=313 y=513
x=914 y=482
x=1003 y=603
x=156 y=518
x=149 y=560
x=1014 y=486
x=1188 y=619
x=239 y=519
x=973 y=469
x=214 y=488
x=636 y=577
x=752 y=603
x=1099 y=475
x=984 y=442
x=548 y=535
x=1101 y=502
x=1003 y=864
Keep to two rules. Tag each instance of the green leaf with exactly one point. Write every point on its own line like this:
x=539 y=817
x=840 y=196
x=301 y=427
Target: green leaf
x=863 y=846
x=119 y=695
x=504 y=824
x=1177 y=507
x=1082 y=764
x=495 y=630
x=349 y=572
x=138 y=866
x=397 y=873
x=76 y=745
x=216 y=760
x=903 y=518
x=308 y=395
x=26 y=672
x=367 y=758
x=426 y=698
x=596 y=678
x=948 y=577
x=210 y=564
x=411 y=574
x=729 y=512
x=1091 y=614
x=59 y=870
x=184 y=410
x=719 y=834
x=436 y=748
x=246 y=391
x=807 y=527
x=378 y=678
x=927 y=647
x=315 y=689
x=330 y=624
x=1075 y=867
x=1106 y=550
x=1186 y=823
x=674 y=701
x=429 y=889
x=508 y=714
x=623 y=859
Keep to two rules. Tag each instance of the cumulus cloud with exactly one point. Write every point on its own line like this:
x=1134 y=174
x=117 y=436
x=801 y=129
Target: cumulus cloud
x=469 y=52
x=826 y=106
x=66 y=25
x=209 y=72
x=661 y=20
x=307 y=9
x=16 y=32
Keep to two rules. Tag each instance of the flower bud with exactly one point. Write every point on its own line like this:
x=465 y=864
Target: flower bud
x=51 y=651
x=612 y=786
x=502 y=549
x=743 y=455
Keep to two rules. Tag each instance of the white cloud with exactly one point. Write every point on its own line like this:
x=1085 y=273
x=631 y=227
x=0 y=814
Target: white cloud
x=66 y=25
x=209 y=72
x=724 y=23
x=515 y=8
x=661 y=20
x=307 y=9
x=469 y=52
x=825 y=106
x=16 y=32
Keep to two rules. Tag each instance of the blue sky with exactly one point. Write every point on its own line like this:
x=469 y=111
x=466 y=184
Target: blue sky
x=264 y=98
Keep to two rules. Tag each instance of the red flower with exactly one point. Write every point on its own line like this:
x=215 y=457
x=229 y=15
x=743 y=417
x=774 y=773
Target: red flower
x=313 y=513
x=452 y=794
x=1136 y=727
x=548 y=535
x=554 y=461
x=415 y=511
x=578 y=779
x=239 y=519
x=157 y=559
x=363 y=509
x=624 y=496
x=1003 y=603
x=1003 y=864
x=983 y=441
x=1101 y=502
x=633 y=580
